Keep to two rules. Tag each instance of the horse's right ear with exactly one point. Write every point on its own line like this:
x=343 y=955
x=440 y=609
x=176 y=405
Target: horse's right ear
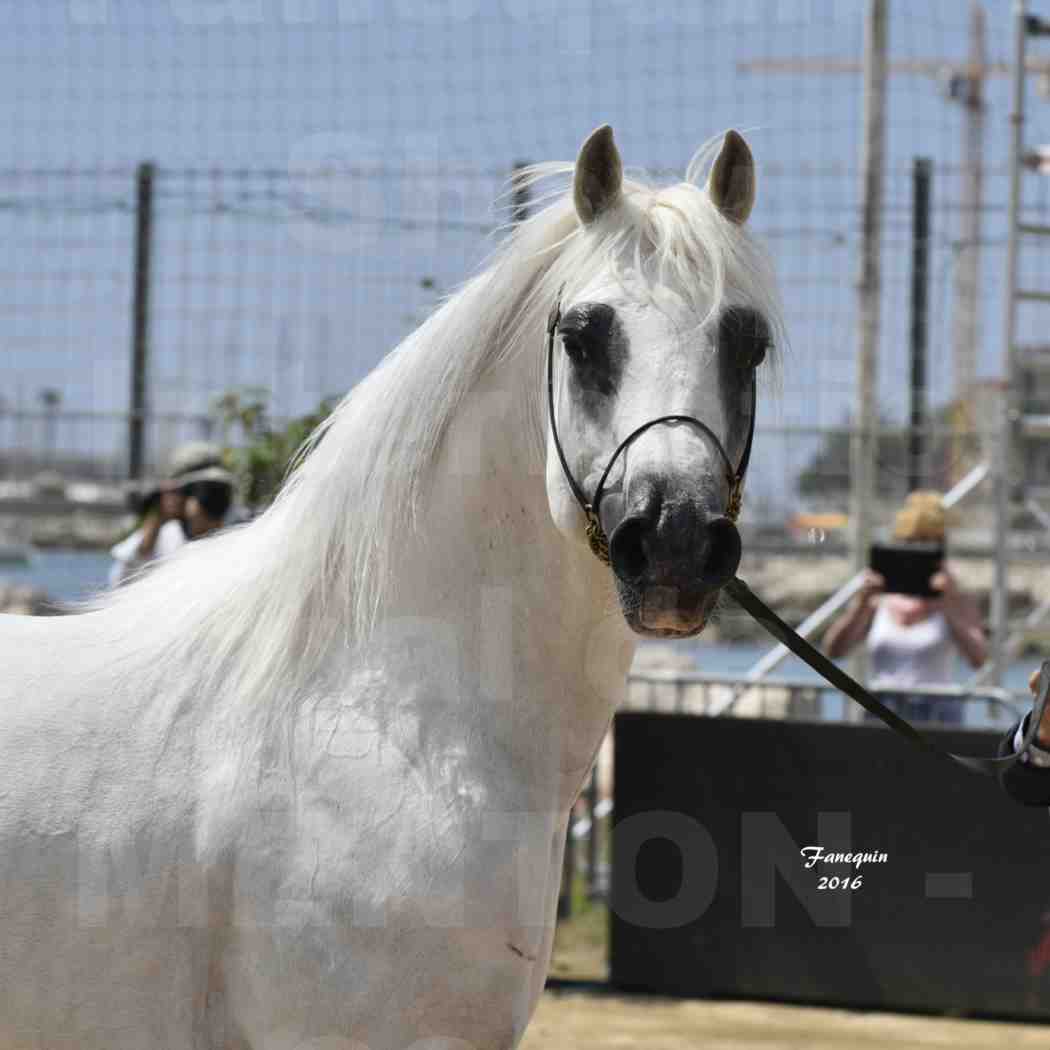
x=599 y=175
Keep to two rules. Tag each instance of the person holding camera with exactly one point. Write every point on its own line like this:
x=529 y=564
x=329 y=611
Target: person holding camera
x=192 y=501
x=912 y=639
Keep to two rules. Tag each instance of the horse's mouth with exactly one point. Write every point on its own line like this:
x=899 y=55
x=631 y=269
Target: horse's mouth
x=668 y=632
x=667 y=612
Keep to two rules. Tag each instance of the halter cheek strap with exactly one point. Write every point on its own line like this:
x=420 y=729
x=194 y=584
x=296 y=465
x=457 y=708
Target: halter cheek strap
x=596 y=537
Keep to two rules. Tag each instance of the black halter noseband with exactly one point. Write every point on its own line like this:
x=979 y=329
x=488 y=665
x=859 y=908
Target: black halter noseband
x=595 y=533
x=750 y=601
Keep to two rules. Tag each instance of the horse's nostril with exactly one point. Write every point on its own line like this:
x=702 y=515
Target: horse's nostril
x=627 y=551
x=724 y=549
x=681 y=549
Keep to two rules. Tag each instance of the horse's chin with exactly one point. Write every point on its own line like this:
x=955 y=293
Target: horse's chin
x=659 y=612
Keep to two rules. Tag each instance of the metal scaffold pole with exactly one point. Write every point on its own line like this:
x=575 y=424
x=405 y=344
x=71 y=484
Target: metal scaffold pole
x=869 y=284
x=1004 y=474
x=966 y=296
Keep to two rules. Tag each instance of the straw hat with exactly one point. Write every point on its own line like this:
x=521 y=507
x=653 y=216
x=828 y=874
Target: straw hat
x=922 y=518
x=198 y=461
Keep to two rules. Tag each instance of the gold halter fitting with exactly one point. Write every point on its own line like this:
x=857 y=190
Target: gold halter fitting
x=596 y=537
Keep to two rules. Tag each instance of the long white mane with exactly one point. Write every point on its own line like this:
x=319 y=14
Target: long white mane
x=252 y=613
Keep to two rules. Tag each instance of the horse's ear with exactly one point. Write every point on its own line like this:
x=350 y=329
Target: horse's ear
x=599 y=175
x=731 y=185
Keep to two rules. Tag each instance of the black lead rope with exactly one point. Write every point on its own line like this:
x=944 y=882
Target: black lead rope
x=853 y=689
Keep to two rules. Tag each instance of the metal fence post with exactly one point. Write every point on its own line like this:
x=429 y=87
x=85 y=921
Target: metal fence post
x=140 y=320
x=591 y=794
x=568 y=874
x=920 y=286
x=521 y=195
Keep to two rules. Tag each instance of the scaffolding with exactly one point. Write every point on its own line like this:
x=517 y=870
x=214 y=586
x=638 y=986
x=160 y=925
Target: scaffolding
x=1004 y=468
x=1014 y=423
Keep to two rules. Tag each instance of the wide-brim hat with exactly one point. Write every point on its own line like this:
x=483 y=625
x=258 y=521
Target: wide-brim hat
x=192 y=461
x=219 y=474
x=198 y=461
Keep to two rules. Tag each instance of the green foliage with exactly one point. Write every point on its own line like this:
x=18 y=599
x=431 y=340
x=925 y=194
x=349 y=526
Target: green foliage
x=261 y=458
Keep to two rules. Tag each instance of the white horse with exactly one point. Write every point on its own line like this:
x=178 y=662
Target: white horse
x=306 y=784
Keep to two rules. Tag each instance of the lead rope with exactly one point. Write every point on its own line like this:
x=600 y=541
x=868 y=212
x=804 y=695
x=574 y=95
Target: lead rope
x=833 y=674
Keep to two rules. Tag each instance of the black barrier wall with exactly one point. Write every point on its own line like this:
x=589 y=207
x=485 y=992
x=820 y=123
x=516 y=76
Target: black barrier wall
x=947 y=908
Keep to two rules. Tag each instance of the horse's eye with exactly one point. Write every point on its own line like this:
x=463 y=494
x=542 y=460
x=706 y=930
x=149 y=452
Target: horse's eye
x=574 y=346
x=745 y=337
x=755 y=354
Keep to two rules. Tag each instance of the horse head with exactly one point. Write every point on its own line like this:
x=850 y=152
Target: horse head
x=652 y=379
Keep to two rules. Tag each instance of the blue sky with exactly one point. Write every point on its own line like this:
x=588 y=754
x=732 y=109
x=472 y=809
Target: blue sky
x=423 y=107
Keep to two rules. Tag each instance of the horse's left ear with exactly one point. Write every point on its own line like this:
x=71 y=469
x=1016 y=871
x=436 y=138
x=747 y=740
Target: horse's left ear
x=731 y=185
x=598 y=182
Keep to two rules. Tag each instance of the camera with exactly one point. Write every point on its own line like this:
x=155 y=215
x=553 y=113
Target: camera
x=907 y=567
x=142 y=498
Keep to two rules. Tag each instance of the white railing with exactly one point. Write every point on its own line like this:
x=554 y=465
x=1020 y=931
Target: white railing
x=713 y=694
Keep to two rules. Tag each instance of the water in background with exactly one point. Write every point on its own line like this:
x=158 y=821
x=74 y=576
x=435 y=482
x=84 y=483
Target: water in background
x=64 y=575
x=70 y=575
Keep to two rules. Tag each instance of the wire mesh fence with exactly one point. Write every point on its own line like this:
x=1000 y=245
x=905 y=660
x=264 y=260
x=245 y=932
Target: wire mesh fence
x=326 y=170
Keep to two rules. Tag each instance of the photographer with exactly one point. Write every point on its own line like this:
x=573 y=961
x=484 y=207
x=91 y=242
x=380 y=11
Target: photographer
x=192 y=501
x=911 y=640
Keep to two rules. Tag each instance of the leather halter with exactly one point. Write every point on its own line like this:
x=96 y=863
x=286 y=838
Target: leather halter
x=595 y=533
x=753 y=604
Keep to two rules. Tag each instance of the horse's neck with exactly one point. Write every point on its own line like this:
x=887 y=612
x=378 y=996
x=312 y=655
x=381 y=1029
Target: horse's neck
x=517 y=628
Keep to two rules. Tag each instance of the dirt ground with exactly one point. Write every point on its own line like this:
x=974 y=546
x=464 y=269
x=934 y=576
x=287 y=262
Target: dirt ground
x=571 y=1021
x=581 y=1021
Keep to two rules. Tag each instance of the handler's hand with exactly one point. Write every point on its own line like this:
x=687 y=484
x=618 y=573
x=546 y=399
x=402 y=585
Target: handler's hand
x=1042 y=734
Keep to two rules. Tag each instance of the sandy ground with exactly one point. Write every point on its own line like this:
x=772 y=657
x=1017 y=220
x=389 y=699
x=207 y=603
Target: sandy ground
x=572 y=1021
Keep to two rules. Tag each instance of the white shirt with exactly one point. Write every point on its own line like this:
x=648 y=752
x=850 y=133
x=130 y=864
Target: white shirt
x=903 y=656
x=126 y=560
